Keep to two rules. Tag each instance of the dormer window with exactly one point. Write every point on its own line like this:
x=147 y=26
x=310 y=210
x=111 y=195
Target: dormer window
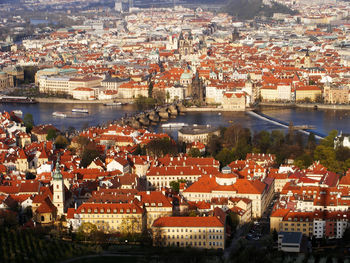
x=134 y=210
x=121 y=210
x=115 y=211
x=108 y=210
x=160 y=204
x=89 y=210
x=128 y=210
x=83 y=210
x=153 y=204
x=102 y=210
x=146 y=204
x=95 y=210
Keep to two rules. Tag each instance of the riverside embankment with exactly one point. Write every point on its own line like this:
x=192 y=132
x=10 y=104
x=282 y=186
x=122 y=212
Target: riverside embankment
x=70 y=101
x=305 y=105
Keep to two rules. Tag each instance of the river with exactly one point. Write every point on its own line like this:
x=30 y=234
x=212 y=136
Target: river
x=323 y=120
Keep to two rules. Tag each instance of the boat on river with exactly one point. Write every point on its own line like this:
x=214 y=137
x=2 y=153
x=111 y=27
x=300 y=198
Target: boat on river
x=59 y=114
x=80 y=110
x=113 y=104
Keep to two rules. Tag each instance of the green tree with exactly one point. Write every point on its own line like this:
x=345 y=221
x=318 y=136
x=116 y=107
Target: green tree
x=28 y=122
x=329 y=140
x=175 y=186
x=262 y=141
x=303 y=161
x=194 y=152
x=342 y=153
x=225 y=157
x=51 y=134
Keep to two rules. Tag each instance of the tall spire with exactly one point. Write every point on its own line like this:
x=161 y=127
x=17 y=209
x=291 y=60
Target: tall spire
x=57 y=175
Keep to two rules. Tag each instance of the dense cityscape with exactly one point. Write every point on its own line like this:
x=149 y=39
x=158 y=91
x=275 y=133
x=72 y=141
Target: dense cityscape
x=107 y=153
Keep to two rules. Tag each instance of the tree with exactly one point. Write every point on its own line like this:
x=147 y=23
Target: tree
x=225 y=157
x=262 y=141
x=234 y=134
x=175 y=186
x=85 y=230
x=160 y=147
x=319 y=98
x=329 y=140
x=150 y=89
x=89 y=154
x=194 y=152
x=28 y=122
x=303 y=161
x=61 y=142
x=342 y=153
x=130 y=225
x=51 y=134
x=159 y=96
x=214 y=145
x=311 y=141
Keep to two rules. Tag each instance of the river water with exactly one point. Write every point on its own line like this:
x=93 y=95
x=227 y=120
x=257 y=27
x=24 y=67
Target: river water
x=323 y=120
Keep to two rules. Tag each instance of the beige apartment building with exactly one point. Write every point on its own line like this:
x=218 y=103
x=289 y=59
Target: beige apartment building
x=307 y=92
x=111 y=217
x=198 y=232
x=233 y=101
x=338 y=95
x=65 y=84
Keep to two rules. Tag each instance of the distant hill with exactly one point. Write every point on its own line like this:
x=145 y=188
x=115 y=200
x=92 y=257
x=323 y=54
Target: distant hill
x=248 y=9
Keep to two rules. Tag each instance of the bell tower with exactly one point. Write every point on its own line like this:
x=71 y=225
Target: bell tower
x=58 y=189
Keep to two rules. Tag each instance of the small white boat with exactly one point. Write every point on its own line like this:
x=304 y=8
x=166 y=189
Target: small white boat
x=174 y=125
x=59 y=114
x=18 y=112
x=219 y=113
x=113 y=104
x=80 y=110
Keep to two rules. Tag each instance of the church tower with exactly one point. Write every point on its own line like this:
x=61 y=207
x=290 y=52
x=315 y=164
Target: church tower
x=58 y=190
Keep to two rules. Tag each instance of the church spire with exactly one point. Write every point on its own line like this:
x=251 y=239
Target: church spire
x=57 y=175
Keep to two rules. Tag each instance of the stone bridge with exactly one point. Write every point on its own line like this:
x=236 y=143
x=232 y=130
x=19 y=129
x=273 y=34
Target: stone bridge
x=150 y=117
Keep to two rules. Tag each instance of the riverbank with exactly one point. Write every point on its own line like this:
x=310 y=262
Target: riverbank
x=213 y=109
x=68 y=101
x=305 y=105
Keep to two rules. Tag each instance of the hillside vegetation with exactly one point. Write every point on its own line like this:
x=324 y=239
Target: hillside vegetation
x=248 y=9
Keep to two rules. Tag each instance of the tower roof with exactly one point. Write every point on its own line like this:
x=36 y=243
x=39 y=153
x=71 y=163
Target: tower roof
x=57 y=175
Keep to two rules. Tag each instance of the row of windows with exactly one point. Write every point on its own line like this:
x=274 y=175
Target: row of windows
x=195 y=243
x=194 y=236
x=199 y=230
x=107 y=216
x=108 y=210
